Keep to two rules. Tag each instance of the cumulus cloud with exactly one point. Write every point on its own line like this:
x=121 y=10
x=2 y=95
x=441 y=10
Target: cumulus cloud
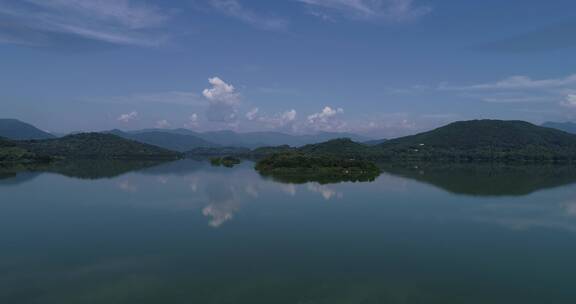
x=162 y=124
x=389 y=10
x=221 y=92
x=252 y=114
x=234 y=9
x=128 y=116
x=288 y=116
x=223 y=100
x=326 y=120
x=39 y=22
x=325 y=115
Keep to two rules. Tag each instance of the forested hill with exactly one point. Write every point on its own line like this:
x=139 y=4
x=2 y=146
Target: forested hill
x=483 y=140
x=10 y=152
x=97 y=145
x=344 y=147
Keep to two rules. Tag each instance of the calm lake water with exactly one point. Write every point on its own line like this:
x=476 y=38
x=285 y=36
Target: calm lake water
x=186 y=232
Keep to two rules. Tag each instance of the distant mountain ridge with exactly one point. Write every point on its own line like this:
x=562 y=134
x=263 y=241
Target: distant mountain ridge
x=180 y=142
x=186 y=140
x=568 y=126
x=474 y=140
x=17 y=130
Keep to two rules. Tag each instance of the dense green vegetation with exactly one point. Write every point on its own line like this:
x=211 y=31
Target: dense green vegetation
x=340 y=147
x=302 y=167
x=96 y=146
x=227 y=161
x=10 y=152
x=265 y=151
x=482 y=140
x=17 y=130
x=465 y=141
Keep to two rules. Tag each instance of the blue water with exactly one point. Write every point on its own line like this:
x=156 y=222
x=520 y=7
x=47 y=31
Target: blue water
x=186 y=232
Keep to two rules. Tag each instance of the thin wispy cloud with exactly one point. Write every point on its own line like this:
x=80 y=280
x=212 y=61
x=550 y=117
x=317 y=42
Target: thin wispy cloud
x=520 y=89
x=119 y=22
x=389 y=10
x=235 y=9
x=517 y=82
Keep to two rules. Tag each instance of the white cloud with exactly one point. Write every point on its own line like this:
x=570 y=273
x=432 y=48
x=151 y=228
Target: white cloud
x=325 y=115
x=522 y=89
x=390 y=10
x=252 y=114
x=279 y=120
x=223 y=100
x=235 y=9
x=123 y=22
x=288 y=116
x=192 y=121
x=326 y=120
x=221 y=92
x=569 y=101
x=128 y=116
x=162 y=124
x=517 y=82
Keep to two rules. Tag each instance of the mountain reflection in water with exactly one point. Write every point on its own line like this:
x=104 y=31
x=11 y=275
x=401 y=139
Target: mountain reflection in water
x=187 y=232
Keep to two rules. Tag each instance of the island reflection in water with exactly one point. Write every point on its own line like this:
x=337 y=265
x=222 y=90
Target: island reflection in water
x=187 y=232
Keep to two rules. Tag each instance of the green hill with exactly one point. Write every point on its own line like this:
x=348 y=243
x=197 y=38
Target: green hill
x=97 y=146
x=18 y=130
x=340 y=147
x=269 y=150
x=10 y=152
x=483 y=140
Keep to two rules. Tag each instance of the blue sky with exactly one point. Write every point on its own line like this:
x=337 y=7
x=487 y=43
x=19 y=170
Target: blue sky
x=382 y=68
